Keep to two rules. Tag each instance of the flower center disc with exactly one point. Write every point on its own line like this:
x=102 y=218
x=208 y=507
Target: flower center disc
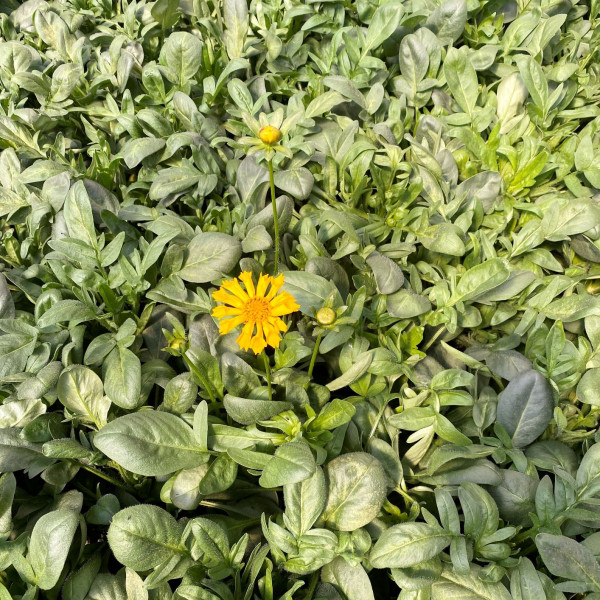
x=257 y=309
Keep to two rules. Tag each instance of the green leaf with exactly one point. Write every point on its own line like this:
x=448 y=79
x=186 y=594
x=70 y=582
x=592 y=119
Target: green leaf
x=408 y=544
x=357 y=487
x=184 y=488
x=7 y=305
x=292 y=462
x=388 y=275
x=567 y=558
x=180 y=394
x=78 y=215
x=235 y=16
x=528 y=582
x=525 y=407
x=142 y=537
x=80 y=391
x=165 y=12
x=462 y=80
x=8 y=486
x=137 y=149
x=78 y=584
x=72 y=311
x=49 y=545
x=480 y=279
x=384 y=23
x=322 y=104
x=469 y=586
x=182 y=54
x=150 y=443
x=345 y=87
x=296 y=182
x=256 y=239
x=355 y=372
x=588 y=472
x=134 y=585
x=413 y=60
x=352 y=580
x=248 y=411
x=588 y=388
x=304 y=502
x=309 y=290
x=334 y=414
x=210 y=256
x=535 y=81
x=448 y=20
x=15 y=349
x=175 y=180
x=220 y=476
x=123 y=377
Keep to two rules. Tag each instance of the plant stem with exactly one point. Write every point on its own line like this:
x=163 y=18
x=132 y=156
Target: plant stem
x=409 y=499
x=312 y=586
x=268 y=372
x=102 y=475
x=313 y=358
x=275 y=217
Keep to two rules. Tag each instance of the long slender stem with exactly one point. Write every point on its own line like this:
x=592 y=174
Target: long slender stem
x=275 y=217
x=268 y=372
x=313 y=358
x=314 y=579
x=102 y=475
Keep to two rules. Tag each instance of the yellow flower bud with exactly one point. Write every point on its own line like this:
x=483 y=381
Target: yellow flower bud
x=176 y=344
x=326 y=316
x=269 y=134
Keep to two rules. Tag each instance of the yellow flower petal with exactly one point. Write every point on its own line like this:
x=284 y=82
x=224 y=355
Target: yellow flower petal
x=258 y=343
x=263 y=284
x=279 y=324
x=233 y=286
x=272 y=334
x=220 y=312
x=276 y=283
x=246 y=279
x=284 y=304
x=227 y=325
x=226 y=298
x=245 y=338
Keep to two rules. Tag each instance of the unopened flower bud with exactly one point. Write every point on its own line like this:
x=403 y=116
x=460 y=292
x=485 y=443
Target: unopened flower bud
x=176 y=344
x=326 y=316
x=269 y=134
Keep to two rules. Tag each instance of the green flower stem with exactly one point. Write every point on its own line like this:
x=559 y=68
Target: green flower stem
x=275 y=217
x=313 y=358
x=268 y=372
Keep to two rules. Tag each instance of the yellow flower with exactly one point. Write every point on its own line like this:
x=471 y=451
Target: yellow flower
x=269 y=134
x=259 y=309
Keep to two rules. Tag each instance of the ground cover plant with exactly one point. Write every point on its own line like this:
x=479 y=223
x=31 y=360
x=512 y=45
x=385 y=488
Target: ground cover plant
x=298 y=300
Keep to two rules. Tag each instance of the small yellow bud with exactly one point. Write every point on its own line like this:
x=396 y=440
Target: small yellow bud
x=326 y=316
x=176 y=344
x=269 y=134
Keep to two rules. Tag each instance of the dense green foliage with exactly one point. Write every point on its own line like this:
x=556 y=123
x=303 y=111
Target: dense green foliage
x=433 y=435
